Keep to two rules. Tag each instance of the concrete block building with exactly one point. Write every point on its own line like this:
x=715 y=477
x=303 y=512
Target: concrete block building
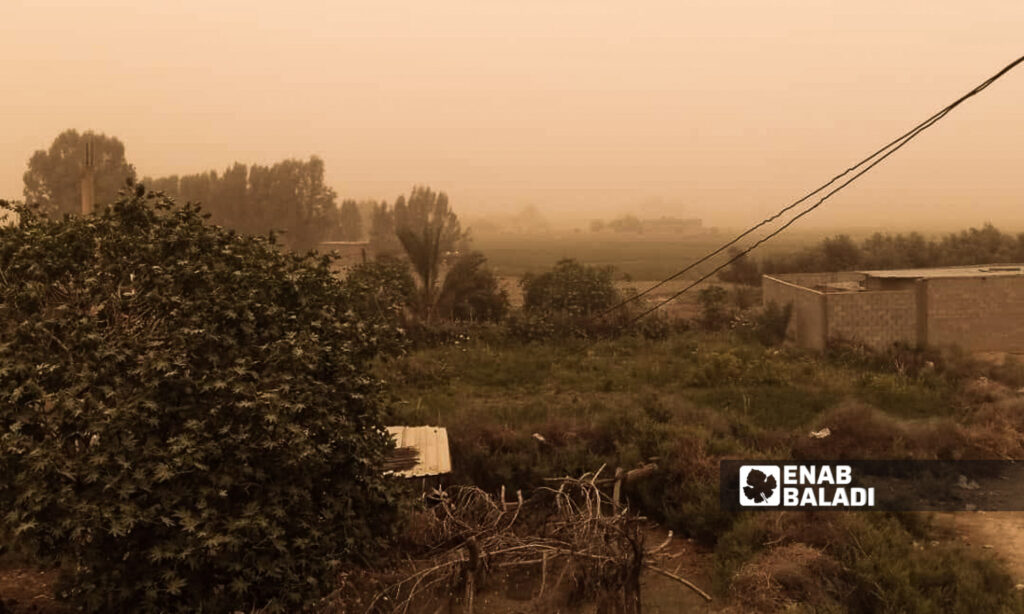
x=979 y=308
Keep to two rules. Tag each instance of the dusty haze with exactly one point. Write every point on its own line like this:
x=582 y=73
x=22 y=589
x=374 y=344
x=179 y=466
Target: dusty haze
x=724 y=110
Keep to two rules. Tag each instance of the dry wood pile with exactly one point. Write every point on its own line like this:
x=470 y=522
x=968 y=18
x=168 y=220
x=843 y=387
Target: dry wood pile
x=572 y=542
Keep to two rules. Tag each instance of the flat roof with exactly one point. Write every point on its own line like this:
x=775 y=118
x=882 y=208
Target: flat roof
x=985 y=270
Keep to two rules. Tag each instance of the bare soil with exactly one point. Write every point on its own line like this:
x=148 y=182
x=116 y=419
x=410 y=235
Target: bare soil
x=1002 y=533
x=25 y=590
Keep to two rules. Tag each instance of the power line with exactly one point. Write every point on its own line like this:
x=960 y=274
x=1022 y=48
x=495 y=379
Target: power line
x=889 y=149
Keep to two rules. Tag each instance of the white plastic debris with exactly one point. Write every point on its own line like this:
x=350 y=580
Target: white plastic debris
x=966 y=484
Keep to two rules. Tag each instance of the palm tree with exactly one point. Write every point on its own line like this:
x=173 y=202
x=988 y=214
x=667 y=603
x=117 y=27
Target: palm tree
x=429 y=231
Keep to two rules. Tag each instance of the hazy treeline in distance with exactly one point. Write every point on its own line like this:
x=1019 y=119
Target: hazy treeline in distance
x=985 y=245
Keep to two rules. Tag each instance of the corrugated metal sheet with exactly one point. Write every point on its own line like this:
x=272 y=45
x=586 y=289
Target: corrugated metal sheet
x=431 y=442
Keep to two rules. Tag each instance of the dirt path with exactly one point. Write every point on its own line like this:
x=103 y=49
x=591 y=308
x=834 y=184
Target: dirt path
x=662 y=595
x=1002 y=533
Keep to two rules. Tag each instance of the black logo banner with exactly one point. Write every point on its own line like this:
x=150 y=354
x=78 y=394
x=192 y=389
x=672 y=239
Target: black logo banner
x=884 y=485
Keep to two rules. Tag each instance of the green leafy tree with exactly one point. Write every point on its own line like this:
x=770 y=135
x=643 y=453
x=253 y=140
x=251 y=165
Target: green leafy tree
x=187 y=415
x=570 y=288
x=741 y=271
x=289 y=196
x=841 y=253
x=471 y=291
x=292 y=195
x=54 y=176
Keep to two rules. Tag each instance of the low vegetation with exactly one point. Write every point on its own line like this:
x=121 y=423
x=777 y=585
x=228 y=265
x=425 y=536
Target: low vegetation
x=520 y=411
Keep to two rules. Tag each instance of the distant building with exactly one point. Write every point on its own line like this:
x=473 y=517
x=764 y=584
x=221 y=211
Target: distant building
x=978 y=308
x=351 y=252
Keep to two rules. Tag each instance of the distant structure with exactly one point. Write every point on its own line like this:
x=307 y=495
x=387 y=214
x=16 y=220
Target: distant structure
x=978 y=308
x=665 y=225
x=88 y=180
x=351 y=252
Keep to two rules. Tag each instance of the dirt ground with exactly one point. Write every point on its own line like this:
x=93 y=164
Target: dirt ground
x=663 y=595
x=1002 y=533
x=24 y=590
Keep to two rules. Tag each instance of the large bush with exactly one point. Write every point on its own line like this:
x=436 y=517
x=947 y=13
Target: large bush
x=381 y=288
x=471 y=291
x=187 y=419
x=570 y=288
x=714 y=313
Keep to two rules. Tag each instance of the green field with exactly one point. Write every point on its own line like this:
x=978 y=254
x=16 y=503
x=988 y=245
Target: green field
x=641 y=257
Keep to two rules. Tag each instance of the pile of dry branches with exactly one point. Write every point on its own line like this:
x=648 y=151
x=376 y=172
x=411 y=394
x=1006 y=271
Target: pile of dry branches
x=573 y=541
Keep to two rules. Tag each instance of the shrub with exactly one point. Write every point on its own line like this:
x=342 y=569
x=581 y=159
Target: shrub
x=570 y=288
x=771 y=324
x=657 y=326
x=528 y=326
x=471 y=291
x=381 y=288
x=187 y=416
x=855 y=562
x=789 y=575
x=714 y=315
x=743 y=270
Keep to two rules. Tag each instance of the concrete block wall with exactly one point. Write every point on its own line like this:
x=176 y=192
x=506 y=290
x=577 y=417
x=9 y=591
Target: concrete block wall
x=877 y=319
x=976 y=313
x=807 y=324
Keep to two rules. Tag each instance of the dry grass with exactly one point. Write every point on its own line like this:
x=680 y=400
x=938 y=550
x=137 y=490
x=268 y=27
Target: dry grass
x=795 y=573
x=991 y=430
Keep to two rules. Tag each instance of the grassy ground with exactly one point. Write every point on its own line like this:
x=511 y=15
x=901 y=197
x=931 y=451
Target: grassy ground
x=518 y=413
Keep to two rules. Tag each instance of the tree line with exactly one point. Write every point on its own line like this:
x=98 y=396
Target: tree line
x=985 y=245
x=290 y=196
x=420 y=232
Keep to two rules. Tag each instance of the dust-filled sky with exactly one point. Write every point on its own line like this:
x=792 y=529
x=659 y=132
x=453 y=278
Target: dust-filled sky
x=721 y=108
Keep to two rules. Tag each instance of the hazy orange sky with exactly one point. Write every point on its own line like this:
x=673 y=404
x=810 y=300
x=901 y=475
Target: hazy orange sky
x=722 y=109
